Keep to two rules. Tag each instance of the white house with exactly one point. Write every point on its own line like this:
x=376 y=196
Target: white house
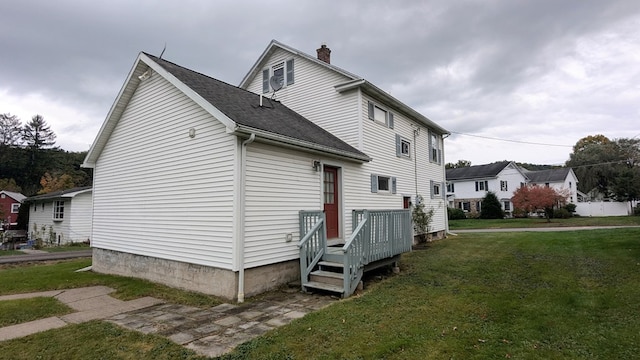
x=200 y=184
x=61 y=217
x=467 y=186
x=563 y=180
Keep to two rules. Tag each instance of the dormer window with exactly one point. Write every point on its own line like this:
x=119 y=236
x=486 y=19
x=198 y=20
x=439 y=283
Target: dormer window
x=282 y=73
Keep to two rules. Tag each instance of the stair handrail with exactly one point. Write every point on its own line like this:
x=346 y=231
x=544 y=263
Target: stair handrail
x=354 y=251
x=313 y=243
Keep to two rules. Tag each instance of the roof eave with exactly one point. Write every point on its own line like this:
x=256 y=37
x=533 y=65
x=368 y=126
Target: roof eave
x=286 y=141
x=388 y=99
x=258 y=65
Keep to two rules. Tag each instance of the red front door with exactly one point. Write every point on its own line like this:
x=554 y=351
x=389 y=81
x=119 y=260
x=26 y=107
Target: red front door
x=331 y=206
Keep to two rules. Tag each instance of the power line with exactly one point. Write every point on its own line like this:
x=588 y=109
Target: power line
x=513 y=141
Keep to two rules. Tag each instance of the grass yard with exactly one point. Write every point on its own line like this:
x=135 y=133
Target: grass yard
x=560 y=295
x=541 y=222
x=97 y=340
x=23 y=278
x=551 y=295
x=11 y=252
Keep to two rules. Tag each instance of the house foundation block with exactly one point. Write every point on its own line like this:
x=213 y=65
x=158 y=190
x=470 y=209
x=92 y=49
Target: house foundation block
x=194 y=277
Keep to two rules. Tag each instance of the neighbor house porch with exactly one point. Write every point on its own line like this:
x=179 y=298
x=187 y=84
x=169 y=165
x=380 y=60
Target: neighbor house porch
x=378 y=238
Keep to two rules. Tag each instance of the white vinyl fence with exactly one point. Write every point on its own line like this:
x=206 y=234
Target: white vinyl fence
x=604 y=208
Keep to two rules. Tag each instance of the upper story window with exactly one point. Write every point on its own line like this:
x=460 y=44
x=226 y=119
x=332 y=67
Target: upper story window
x=403 y=147
x=15 y=208
x=58 y=210
x=435 y=151
x=282 y=74
x=482 y=185
x=451 y=188
x=381 y=115
x=503 y=186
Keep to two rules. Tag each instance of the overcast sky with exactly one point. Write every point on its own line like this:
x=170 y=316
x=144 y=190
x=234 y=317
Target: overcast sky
x=547 y=72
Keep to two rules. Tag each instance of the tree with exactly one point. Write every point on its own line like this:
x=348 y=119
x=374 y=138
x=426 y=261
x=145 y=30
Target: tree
x=9 y=185
x=611 y=167
x=421 y=219
x=532 y=198
x=491 y=207
x=55 y=183
x=10 y=130
x=37 y=134
x=459 y=164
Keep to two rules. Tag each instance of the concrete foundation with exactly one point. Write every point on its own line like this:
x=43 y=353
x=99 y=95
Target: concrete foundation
x=193 y=277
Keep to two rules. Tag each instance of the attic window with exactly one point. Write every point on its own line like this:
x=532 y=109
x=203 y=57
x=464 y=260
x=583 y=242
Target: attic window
x=282 y=72
x=15 y=208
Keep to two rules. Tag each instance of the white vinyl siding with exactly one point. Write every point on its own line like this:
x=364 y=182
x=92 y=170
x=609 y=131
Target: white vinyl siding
x=159 y=192
x=80 y=217
x=313 y=96
x=382 y=144
x=280 y=183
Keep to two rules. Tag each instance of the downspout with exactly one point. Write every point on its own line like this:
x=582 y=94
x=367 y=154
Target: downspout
x=446 y=204
x=243 y=170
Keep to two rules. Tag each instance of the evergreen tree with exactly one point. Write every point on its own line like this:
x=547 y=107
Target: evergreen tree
x=491 y=207
x=37 y=134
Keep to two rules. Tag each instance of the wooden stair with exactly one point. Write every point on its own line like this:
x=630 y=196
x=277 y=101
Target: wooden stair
x=329 y=276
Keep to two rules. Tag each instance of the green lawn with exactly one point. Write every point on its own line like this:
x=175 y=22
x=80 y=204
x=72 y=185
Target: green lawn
x=541 y=222
x=11 y=252
x=62 y=275
x=559 y=295
x=552 y=295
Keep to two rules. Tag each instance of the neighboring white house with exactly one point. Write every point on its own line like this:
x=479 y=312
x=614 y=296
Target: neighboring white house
x=563 y=180
x=60 y=217
x=199 y=184
x=467 y=186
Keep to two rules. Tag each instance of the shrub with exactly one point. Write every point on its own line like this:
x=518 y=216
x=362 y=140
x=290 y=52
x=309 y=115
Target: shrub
x=455 y=214
x=561 y=213
x=636 y=210
x=491 y=207
x=570 y=207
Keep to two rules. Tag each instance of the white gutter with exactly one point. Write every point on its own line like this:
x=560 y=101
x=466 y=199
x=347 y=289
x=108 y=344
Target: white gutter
x=243 y=170
x=281 y=140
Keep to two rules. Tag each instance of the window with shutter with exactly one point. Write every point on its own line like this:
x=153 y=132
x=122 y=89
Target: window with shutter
x=379 y=114
x=265 y=80
x=289 y=71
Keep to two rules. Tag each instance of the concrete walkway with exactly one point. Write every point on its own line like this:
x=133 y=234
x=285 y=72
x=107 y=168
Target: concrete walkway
x=210 y=332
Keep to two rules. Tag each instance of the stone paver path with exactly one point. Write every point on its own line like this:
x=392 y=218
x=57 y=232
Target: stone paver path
x=211 y=332
x=218 y=330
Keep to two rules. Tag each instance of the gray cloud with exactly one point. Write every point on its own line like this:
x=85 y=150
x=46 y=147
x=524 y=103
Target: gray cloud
x=541 y=71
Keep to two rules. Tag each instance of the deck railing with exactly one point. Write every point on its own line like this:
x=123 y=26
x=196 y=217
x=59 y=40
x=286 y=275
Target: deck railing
x=377 y=235
x=313 y=242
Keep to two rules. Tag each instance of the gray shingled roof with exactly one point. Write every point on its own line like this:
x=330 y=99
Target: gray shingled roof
x=551 y=175
x=56 y=194
x=242 y=106
x=476 y=171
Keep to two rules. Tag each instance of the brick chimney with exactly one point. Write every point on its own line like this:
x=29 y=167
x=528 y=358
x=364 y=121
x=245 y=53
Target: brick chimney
x=324 y=54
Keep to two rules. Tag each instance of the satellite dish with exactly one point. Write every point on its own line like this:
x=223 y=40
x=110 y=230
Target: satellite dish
x=276 y=82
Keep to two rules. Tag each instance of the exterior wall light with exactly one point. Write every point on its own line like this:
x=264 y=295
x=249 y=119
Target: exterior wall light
x=192 y=133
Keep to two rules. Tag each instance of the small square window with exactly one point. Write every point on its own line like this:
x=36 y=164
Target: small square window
x=383 y=183
x=15 y=208
x=451 y=188
x=436 y=189
x=405 y=147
